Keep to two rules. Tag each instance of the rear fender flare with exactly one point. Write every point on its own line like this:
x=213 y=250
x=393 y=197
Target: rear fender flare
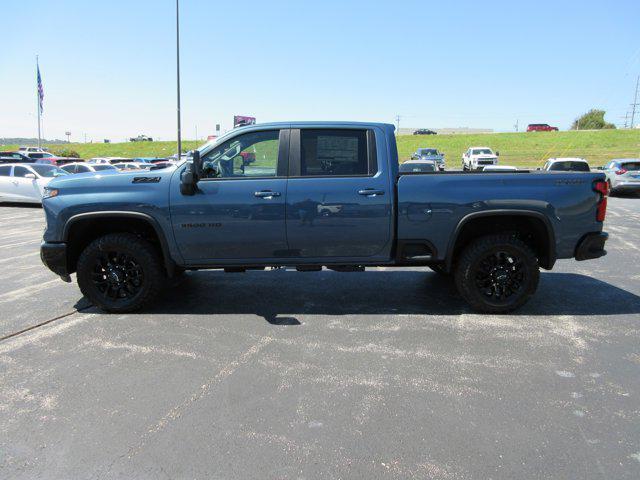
x=504 y=212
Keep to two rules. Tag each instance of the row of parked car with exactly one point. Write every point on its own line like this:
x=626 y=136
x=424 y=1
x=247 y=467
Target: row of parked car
x=623 y=174
x=25 y=173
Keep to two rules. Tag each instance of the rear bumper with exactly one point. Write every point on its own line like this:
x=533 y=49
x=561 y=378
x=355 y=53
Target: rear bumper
x=54 y=256
x=591 y=246
x=626 y=187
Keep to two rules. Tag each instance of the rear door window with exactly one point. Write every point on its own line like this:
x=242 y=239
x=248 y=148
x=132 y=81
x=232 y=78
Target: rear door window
x=5 y=171
x=333 y=152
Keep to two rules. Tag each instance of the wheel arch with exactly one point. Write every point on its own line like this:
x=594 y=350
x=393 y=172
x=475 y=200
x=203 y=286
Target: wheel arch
x=535 y=223
x=83 y=228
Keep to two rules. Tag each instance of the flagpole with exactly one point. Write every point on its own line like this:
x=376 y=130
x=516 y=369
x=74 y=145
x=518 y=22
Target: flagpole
x=178 y=76
x=38 y=101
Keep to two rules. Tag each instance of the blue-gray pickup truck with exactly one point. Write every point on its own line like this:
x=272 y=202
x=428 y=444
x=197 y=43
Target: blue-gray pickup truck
x=316 y=195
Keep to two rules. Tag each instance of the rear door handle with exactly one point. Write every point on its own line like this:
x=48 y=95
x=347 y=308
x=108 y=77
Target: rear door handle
x=370 y=192
x=266 y=194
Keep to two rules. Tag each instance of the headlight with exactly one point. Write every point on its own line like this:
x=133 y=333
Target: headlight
x=50 y=192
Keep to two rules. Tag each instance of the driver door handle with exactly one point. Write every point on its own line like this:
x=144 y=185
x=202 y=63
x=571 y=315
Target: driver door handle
x=370 y=192
x=266 y=194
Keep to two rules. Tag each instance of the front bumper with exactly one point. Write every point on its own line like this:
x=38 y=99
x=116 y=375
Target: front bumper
x=54 y=256
x=591 y=246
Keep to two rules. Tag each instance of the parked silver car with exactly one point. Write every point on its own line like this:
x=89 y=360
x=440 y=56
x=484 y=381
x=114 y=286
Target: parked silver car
x=430 y=154
x=623 y=175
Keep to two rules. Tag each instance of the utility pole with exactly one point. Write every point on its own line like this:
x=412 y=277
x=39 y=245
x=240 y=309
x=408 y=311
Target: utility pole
x=635 y=104
x=516 y=125
x=178 y=75
x=398 y=124
x=626 y=120
x=196 y=133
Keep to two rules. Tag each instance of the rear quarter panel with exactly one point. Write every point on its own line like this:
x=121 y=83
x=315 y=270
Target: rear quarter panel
x=432 y=206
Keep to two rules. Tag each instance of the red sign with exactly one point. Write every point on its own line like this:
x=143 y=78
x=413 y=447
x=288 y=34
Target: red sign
x=241 y=121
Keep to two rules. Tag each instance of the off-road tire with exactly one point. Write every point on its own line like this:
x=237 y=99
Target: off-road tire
x=148 y=264
x=471 y=270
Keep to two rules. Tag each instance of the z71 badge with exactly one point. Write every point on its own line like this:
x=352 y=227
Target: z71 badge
x=146 y=180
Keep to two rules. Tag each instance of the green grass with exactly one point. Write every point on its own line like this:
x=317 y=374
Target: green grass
x=519 y=149
x=128 y=149
x=531 y=149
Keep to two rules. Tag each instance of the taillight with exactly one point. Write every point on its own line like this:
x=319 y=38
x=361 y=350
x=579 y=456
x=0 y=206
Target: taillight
x=622 y=171
x=602 y=188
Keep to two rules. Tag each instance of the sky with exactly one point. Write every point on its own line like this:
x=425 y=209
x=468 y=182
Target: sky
x=108 y=67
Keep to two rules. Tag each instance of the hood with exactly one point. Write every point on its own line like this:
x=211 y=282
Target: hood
x=98 y=180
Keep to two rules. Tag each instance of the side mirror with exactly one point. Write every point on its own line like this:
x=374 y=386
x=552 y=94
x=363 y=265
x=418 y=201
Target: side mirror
x=497 y=153
x=30 y=176
x=191 y=175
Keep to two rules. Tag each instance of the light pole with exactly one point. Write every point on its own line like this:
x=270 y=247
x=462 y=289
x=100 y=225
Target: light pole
x=178 y=75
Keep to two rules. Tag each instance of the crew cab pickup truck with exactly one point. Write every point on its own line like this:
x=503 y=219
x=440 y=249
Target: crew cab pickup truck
x=476 y=158
x=318 y=195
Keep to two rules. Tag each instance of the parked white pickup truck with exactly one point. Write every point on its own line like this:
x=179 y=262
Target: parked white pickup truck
x=476 y=158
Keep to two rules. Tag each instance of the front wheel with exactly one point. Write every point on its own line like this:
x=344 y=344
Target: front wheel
x=497 y=273
x=120 y=272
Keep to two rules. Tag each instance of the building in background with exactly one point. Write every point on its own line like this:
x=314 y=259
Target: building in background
x=447 y=131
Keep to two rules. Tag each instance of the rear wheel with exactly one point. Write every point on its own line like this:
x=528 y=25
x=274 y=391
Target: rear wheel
x=497 y=273
x=120 y=272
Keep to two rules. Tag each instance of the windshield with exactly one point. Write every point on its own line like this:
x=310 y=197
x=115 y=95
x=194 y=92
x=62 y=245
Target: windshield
x=570 y=167
x=482 y=151
x=428 y=151
x=417 y=167
x=48 y=170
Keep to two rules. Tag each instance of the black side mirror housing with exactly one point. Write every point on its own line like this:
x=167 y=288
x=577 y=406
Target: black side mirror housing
x=191 y=175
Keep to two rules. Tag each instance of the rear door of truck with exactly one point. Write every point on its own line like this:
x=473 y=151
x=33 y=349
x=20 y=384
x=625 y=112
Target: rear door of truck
x=339 y=197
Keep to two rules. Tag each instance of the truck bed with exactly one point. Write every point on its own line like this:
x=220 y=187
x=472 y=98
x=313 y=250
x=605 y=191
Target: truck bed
x=432 y=206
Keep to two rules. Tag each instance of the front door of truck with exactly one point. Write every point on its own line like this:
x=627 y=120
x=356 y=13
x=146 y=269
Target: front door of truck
x=238 y=211
x=339 y=198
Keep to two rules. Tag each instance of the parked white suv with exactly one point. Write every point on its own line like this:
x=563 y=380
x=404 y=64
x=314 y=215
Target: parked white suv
x=476 y=158
x=25 y=150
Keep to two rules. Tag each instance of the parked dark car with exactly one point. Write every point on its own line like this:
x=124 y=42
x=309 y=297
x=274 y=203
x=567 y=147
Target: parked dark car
x=541 y=127
x=418 y=166
x=424 y=131
x=14 y=157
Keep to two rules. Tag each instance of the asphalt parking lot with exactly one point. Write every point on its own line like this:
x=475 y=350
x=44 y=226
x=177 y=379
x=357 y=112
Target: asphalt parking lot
x=382 y=374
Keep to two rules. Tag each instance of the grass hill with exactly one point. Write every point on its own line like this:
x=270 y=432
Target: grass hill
x=519 y=149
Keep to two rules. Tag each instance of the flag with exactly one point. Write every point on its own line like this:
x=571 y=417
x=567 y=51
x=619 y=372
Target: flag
x=40 y=90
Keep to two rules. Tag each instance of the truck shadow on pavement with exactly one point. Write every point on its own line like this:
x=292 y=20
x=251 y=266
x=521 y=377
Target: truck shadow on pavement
x=279 y=296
